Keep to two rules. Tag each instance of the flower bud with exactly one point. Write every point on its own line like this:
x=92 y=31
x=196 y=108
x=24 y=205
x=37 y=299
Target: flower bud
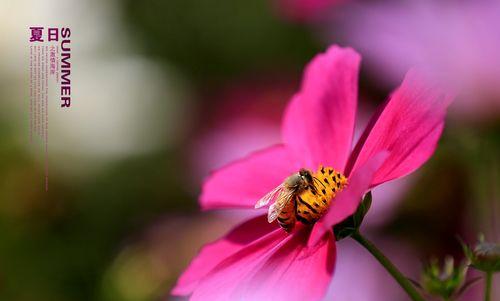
x=444 y=282
x=485 y=256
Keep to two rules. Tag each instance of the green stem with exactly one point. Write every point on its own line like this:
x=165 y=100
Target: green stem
x=395 y=273
x=487 y=287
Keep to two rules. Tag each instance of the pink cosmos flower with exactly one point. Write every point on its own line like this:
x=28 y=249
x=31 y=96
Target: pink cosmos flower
x=247 y=119
x=260 y=261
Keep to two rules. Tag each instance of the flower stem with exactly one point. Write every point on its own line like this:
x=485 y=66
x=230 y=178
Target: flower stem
x=389 y=266
x=487 y=287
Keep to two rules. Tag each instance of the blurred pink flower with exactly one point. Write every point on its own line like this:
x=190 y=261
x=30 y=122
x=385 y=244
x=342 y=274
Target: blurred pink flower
x=457 y=41
x=360 y=277
x=258 y=260
x=476 y=291
x=304 y=10
x=246 y=118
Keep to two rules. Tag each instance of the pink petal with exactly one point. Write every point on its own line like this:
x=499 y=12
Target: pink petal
x=347 y=201
x=242 y=183
x=318 y=125
x=214 y=253
x=277 y=267
x=408 y=126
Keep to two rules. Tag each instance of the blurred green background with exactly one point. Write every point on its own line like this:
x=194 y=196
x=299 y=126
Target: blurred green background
x=164 y=92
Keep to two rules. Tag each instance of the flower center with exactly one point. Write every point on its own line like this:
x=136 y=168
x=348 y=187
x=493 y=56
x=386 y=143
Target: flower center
x=312 y=204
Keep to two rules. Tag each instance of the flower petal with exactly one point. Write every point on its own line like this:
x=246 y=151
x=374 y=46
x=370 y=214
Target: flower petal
x=278 y=267
x=408 y=126
x=214 y=253
x=319 y=122
x=347 y=201
x=242 y=183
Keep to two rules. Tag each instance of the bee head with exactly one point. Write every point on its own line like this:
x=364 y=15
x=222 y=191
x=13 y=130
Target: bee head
x=306 y=175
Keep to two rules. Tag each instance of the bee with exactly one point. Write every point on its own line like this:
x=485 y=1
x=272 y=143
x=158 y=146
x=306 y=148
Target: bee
x=303 y=196
x=285 y=195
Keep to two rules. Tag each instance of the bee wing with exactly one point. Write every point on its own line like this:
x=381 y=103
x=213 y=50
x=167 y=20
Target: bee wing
x=269 y=197
x=278 y=206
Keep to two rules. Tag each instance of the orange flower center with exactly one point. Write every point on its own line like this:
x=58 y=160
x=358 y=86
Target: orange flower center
x=312 y=205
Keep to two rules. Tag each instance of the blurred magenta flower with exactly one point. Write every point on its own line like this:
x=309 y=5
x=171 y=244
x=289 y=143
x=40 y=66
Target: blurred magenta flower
x=304 y=10
x=258 y=260
x=456 y=41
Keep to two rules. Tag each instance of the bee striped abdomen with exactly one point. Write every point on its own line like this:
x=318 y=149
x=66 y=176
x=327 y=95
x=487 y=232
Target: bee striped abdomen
x=312 y=203
x=286 y=219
